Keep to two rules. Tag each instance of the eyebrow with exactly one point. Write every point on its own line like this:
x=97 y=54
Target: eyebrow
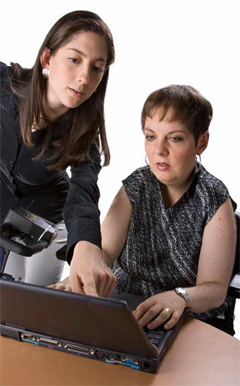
x=178 y=131
x=84 y=55
x=170 y=132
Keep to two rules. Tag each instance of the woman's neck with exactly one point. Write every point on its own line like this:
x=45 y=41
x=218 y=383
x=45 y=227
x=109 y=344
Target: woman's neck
x=54 y=112
x=172 y=193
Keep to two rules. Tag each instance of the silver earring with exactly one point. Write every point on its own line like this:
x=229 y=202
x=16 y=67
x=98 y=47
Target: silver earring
x=146 y=160
x=198 y=160
x=45 y=73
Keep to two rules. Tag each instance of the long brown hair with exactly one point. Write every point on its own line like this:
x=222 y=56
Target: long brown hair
x=75 y=131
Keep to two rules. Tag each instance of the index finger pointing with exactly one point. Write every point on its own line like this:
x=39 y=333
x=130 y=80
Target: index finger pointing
x=90 y=289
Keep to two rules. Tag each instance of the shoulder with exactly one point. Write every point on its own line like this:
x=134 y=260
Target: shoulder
x=211 y=184
x=3 y=68
x=138 y=183
x=4 y=77
x=139 y=177
x=7 y=95
x=212 y=192
x=9 y=125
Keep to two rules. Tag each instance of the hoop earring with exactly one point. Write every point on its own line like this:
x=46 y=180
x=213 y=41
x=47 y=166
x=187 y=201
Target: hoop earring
x=198 y=160
x=45 y=73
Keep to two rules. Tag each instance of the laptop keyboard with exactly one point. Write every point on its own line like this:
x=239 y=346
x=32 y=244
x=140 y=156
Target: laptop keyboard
x=155 y=336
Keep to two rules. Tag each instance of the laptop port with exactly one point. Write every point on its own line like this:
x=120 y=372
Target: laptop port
x=113 y=357
x=146 y=365
x=130 y=361
x=48 y=341
x=100 y=354
x=28 y=338
x=78 y=349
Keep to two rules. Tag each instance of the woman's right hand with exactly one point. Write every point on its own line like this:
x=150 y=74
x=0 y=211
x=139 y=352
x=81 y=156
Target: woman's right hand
x=88 y=272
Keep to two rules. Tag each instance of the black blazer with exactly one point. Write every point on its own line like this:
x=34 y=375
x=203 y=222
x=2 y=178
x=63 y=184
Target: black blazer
x=53 y=195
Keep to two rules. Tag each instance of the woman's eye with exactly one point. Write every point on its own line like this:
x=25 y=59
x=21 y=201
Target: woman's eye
x=98 y=69
x=175 y=139
x=74 y=60
x=149 y=137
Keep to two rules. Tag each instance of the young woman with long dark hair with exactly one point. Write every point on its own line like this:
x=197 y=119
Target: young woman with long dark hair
x=52 y=118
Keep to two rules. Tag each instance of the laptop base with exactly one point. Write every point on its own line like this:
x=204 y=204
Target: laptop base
x=133 y=361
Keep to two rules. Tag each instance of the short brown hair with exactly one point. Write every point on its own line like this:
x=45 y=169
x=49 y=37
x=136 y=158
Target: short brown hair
x=188 y=105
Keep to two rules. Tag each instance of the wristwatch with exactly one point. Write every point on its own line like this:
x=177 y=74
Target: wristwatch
x=183 y=293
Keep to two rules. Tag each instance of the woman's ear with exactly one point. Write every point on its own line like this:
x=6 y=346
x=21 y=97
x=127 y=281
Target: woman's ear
x=202 y=142
x=45 y=57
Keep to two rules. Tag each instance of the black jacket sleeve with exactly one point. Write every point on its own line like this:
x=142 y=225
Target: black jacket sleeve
x=81 y=213
x=10 y=140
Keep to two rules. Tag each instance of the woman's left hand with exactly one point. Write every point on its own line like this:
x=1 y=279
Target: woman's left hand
x=156 y=310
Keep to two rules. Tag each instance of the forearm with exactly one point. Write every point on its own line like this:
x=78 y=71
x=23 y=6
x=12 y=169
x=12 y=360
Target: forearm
x=115 y=227
x=81 y=212
x=82 y=230
x=168 y=306
x=108 y=258
x=206 y=296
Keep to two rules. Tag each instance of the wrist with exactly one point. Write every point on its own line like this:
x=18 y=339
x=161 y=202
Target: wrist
x=182 y=292
x=84 y=244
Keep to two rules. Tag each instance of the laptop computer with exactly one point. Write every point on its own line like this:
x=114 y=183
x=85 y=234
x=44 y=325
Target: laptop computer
x=94 y=327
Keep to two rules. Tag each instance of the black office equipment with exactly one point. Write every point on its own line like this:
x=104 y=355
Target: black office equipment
x=24 y=233
x=93 y=327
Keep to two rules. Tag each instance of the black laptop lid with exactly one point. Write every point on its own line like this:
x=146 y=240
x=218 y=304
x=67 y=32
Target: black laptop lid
x=99 y=322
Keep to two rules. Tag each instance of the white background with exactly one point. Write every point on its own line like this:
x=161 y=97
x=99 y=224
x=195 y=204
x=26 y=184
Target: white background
x=158 y=42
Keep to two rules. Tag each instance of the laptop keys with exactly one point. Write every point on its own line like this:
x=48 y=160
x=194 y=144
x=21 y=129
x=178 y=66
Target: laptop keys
x=155 y=336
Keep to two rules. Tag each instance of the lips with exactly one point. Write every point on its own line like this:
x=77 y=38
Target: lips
x=76 y=93
x=163 y=166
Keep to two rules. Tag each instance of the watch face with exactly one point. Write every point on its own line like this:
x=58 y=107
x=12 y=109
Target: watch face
x=181 y=291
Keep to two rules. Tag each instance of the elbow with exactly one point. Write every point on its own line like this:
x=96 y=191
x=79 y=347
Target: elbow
x=215 y=294
x=220 y=301
x=221 y=295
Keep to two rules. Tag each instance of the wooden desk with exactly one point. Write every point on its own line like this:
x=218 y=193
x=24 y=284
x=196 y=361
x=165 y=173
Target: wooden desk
x=200 y=355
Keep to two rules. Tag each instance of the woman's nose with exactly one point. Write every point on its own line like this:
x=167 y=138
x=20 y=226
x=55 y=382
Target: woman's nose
x=84 y=76
x=161 y=148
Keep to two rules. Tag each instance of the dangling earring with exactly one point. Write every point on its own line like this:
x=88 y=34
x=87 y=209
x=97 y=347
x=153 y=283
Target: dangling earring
x=146 y=161
x=198 y=160
x=45 y=73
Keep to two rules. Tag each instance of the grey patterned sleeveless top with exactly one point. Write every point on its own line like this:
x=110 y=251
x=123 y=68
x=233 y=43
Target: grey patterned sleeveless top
x=163 y=245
